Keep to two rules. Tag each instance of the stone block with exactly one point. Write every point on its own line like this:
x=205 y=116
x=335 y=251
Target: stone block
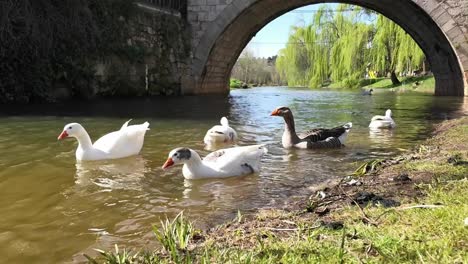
x=197 y=2
x=220 y=8
x=202 y=16
x=448 y=26
x=443 y=18
x=212 y=16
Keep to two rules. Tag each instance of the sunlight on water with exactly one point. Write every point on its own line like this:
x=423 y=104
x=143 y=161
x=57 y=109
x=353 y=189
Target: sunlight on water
x=54 y=209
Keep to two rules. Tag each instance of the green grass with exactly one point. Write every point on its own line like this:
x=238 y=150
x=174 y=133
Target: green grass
x=427 y=83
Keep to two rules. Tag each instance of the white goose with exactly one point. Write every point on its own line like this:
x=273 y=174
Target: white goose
x=220 y=133
x=222 y=163
x=386 y=121
x=128 y=141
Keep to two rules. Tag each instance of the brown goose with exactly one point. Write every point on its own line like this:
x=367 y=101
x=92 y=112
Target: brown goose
x=313 y=139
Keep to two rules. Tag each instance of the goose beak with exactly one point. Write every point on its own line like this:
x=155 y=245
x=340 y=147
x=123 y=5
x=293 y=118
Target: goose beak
x=275 y=113
x=62 y=135
x=169 y=162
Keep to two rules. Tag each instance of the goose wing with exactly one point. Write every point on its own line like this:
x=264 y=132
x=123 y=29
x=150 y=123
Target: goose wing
x=379 y=117
x=118 y=141
x=319 y=134
x=236 y=160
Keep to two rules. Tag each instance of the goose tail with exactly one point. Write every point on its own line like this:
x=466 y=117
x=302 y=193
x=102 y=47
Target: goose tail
x=125 y=125
x=224 y=121
x=146 y=125
x=348 y=126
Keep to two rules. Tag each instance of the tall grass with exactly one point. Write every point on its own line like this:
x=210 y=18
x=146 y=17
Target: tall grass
x=175 y=236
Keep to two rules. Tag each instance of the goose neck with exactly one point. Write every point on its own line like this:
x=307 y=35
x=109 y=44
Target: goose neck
x=84 y=141
x=289 y=123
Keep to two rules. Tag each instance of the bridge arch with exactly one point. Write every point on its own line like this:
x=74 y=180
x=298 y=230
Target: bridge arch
x=428 y=22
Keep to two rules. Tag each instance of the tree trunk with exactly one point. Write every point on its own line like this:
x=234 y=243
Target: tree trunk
x=394 y=78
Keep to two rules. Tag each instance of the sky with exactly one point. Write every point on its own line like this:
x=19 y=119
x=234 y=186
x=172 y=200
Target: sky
x=273 y=37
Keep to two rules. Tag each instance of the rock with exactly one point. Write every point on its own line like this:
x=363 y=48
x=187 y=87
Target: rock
x=320 y=211
x=354 y=182
x=402 y=178
x=364 y=198
x=334 y=225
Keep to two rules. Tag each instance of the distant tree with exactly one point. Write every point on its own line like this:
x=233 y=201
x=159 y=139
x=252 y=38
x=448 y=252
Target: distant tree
x=341 y=44
x=253 y=70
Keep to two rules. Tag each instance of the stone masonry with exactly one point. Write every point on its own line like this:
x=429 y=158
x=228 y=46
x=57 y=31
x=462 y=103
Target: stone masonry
x=220 y=29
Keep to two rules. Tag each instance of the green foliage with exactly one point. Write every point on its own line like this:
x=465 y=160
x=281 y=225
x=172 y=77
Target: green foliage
x=235 y=83
x=117 y=257
x=367 y=167
x=43 y=44
x=339 y=47
x=175 y=236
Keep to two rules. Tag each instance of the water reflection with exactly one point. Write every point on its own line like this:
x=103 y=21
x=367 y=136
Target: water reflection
x=381 y=136
x=116 y=174
x=217 y=146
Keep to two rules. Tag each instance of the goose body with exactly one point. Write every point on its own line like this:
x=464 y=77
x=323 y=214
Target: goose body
x=125 y=142
x=236 y=161
x=220 y=133
x=385 y=121
x=313 y=139
x=367 y=92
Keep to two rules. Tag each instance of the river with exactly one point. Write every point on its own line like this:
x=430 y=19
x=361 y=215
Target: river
x=54 y=209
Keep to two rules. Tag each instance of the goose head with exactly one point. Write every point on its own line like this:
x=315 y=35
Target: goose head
x=72 y=130
x=281 y=111
x=176 y=156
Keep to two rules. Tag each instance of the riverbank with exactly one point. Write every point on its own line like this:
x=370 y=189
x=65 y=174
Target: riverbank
x=410 y=208
x=425 y=84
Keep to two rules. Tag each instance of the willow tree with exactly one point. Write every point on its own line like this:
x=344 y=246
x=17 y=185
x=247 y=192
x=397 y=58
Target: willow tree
x=394 y=50
x=334 y=44
x=350 y=53
x=292 y=63
x=340 y=43
x=410 y=56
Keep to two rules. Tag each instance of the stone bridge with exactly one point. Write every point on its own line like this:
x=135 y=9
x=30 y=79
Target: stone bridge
x=222 y=28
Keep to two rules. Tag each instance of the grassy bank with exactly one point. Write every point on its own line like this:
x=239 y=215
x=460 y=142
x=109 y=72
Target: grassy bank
x=409 y=209
x=418 y=84
x=421 y=83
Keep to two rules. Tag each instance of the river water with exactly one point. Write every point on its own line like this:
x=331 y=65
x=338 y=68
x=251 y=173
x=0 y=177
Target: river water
x=54 y=209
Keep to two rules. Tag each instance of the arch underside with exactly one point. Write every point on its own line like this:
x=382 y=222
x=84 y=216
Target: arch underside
x=214 y=65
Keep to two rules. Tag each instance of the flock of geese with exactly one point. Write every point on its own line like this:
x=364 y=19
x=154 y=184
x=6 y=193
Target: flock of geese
x=228 y=162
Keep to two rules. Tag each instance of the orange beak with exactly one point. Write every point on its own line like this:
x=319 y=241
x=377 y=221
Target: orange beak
x=169 y=162
x=275 y=112
x=63 y=135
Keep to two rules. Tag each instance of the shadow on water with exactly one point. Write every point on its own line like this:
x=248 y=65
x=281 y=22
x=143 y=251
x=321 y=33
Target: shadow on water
x=186 y=107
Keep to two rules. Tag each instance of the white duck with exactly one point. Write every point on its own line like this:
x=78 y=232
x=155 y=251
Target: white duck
x=222 y=163
x=386 y=121
x=220 y=133
x=128 y=141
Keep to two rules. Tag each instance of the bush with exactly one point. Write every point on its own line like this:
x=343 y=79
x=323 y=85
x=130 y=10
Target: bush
x=235 y=83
